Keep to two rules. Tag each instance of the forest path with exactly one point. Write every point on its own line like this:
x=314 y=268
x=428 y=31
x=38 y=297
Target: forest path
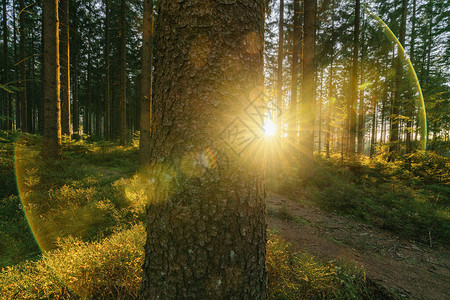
x=408 y=268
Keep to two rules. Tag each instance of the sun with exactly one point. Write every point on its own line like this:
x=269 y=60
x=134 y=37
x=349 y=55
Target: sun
x=269 y=128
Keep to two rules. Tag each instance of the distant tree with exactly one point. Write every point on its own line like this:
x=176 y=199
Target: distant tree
x=6 y=105
x=354 y=81
x=279 y=103
x=22 y=67
x=308 y=87
x=123 y=76
x=65 y=67
x=107 y=73
x=51 y=146
x=296 y=33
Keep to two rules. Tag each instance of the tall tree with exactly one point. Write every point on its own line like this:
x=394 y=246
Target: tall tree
x=107 y=73
x=394 y=132
x=279 y=103
x=294 y=73
x=308 y=87
x=22 y=69
x=206 y=224
x=354 y=82
x=123 y=74
x=146 y=83
x=6 y=99
x=51 y=147
x=65 y=67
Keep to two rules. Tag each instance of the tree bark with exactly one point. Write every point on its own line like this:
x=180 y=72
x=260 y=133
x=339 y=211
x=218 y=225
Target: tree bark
x=123 y=79
x=51 y=146
x=308 y=87
x=410 y=103
x=206 y=226
x=146 y=83
x=65 y=68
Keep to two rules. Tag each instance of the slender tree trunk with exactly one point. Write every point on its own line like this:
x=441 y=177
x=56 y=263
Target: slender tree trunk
x=88 y=101
x=354 y=82
x=107 y=73
x=280 y=70
x=123 y=79
x=394 y=126
x=374 y=119
x=65 y=67
x=331 y=97
x=294 y=74
x=51 y=146
x=410 y=104
x=16 y=72
x=308 y=88
x=320 y=100
x=6 y=99
x=22 y=68
x=206 y=226
x=146 y=83
x=361 y=108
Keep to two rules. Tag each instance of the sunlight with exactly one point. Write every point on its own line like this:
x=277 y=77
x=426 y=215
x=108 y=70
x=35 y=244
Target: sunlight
x=269 y=128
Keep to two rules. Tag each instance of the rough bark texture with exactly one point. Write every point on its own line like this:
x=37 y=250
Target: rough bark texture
x=354 y=82
x=51 y=146
x=308 y=87
x=123 y=79
x=394 y=132
x=107 y=77
x=65 y=67
x=206 y=228
x=146 y=83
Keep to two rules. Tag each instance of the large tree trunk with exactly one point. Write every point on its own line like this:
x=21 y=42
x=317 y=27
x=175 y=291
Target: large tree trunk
x=107 y=77
x=65 y=68
x=206 y=229
x=51 y=146
x=394 y=132
x=123 y=74
x=146 y=83
x=308 y=87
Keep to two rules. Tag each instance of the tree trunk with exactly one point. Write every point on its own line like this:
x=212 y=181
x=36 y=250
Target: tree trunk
x=410 y=103
x=279 y=103
x=354 y=82
x=123 y=79
x=51 y=146
x=308 y=87
x=206 y=226
x=374 y=119
x=107 y=77
x=65 y=68
x=6 y=98
x=146 y=83
x=394 y=130
x=294 y=74
x=22 y=69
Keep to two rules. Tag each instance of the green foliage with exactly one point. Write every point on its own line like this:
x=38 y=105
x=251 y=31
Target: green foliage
x=407 y=197
x=110 y=269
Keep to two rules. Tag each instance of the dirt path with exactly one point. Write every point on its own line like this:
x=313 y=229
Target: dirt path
x=410 y=269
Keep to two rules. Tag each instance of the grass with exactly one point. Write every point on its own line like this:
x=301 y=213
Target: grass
x=87 y=210
x=411 y=199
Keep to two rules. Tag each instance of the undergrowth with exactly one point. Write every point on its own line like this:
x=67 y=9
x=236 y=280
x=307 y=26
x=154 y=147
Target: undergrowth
x=411 y=198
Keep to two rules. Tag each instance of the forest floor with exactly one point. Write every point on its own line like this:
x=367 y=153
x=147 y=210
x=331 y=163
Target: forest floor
x=405 y=267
